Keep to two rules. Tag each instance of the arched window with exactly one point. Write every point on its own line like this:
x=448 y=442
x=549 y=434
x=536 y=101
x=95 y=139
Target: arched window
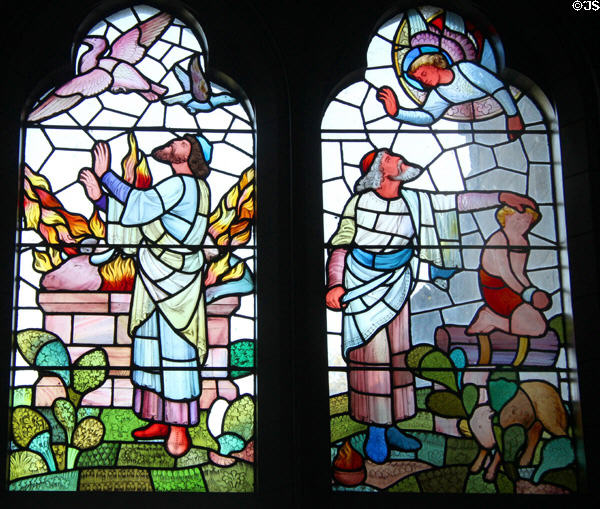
x=133 y=361
x=449 y=347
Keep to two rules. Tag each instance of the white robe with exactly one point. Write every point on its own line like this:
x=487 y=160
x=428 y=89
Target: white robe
x=167 y=316
x=375 y=296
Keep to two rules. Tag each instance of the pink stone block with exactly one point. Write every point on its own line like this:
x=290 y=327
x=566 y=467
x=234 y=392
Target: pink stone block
x=120 y=302
x=209 y=394
x=100 y=397
x=223 y=307
x=73 y=302
x=118 y=357
x=216 y=358
x=218 y=330
x=59 y=325
x=227 y=390
x=120 y=373
x=47 y=390
x=122 y=330
x=93 y=329
x=122 y=392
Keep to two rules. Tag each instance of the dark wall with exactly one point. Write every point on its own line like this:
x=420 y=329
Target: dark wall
x=288 y=58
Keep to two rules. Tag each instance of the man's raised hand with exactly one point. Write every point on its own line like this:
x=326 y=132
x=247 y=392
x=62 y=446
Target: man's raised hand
x=90 y=184
x=390 y=102
x=101 y=158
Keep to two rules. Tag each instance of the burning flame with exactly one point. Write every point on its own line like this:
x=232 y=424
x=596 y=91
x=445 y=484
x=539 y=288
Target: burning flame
x=347 y=458
x=97 y=226
x=118 y=275
x=230 y=223
x=135 y=166
x=222 y=271
x=45 y=261
x=45 y=214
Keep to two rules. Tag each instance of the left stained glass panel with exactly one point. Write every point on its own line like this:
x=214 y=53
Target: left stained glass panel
x=132 y=367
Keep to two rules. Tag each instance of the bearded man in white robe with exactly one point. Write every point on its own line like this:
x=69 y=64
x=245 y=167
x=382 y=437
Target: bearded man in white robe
x=167 y=316
x=383 y=234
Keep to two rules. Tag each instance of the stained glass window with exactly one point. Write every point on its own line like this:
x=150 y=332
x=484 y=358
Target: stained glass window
x=134 y=342
x=450 y=346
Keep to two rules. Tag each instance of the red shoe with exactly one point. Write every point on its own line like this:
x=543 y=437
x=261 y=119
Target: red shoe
x=179 y=441
x=153 y=430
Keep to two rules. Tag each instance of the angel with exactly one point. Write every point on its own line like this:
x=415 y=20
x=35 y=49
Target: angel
x=448 y=66
x=102 y=68
x=197 y=95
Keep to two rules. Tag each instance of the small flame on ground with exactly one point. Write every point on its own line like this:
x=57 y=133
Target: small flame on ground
x=347 y=458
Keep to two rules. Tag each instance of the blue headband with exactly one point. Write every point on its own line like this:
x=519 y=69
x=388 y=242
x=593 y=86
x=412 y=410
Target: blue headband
x=206 y=148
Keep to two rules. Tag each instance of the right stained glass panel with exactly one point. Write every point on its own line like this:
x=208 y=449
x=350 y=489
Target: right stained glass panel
x=450 y=342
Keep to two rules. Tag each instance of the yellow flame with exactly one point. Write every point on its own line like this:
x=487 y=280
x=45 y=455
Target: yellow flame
x=135 y=165
x=118 y=274
x=45 y=261
x=130 y=160
x=216 y=269
x=232 y=198
x=97 y=226
x=36 y=179
x=221 y=269
x=236 y=272
x=42 y=262
x=32 y=214
x=229 y=223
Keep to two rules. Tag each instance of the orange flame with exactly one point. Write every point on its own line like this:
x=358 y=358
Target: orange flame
x=118 y=275
x=97 y=226
x=46 y=214
x=231 y=222
x=347 y=458
x=222 y=271
x=135 y=166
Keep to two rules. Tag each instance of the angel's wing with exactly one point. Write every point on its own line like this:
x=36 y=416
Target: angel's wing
x=133 y=44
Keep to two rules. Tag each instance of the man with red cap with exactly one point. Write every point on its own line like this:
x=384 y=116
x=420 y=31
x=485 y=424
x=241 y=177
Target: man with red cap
x=384 y=233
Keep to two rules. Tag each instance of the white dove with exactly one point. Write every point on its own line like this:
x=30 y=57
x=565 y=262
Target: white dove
x=197 y=96
x=115 y=71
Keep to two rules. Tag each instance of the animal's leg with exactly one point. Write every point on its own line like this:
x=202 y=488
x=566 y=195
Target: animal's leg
x=492 y=470
x=478 y=463
x=533 y=437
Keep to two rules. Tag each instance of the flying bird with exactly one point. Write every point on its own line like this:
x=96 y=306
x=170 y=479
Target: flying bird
x=102 y=68
x=198 y=96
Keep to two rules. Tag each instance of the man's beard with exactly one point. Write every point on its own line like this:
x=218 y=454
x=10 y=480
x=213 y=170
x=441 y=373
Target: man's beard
x=165 y=154
x=410 y=174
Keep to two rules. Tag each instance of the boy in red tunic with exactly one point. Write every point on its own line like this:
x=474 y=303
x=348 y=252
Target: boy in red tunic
x=512 y=303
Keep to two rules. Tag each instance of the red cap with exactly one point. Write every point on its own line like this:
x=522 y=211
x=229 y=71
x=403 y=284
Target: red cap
x=367 y=161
